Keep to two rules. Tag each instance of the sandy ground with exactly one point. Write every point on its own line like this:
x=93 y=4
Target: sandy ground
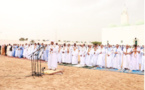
x=13 y=74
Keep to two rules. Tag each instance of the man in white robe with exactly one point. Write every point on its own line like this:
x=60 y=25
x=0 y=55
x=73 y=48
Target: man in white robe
x=17 y=51
x=63 y=53
x=143 y=59
x=88 y=61
x=59 y=55
x=69 y=54
x=52 y=58
x=36 y=50
x=45 y=56
x=8 y=50
x=95 y=54
x=126 y=57
x=25 y=50
x=75 y=54
x=41 y=52
x=117 y=57
x=109 y=53
x=101 y=56
x=140 y=55
x=82 y=54
x=134 y=62
x=29 y=52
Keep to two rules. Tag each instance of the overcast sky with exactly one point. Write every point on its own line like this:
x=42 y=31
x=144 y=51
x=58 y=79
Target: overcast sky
x=70 y=19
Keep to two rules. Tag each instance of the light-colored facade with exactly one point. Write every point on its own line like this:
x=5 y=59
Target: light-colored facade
x=123 y=35
x=124 y=16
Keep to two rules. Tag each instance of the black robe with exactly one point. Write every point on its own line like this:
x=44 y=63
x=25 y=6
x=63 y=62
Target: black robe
x=0 y=49
x=5 y=50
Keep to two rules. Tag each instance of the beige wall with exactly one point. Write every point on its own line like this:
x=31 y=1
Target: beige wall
x=127 y=33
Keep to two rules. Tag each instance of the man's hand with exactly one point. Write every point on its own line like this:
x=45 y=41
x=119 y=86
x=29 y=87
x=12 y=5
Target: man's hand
x=116 y=53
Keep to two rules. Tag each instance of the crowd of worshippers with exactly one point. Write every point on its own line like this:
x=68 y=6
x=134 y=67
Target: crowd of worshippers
x=122 y=57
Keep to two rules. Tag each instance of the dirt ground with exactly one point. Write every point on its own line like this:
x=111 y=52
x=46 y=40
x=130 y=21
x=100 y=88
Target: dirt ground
x=13 y=74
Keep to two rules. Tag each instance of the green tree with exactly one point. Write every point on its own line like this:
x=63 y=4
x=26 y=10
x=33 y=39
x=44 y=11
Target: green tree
x=26 y=39
x=96 y=43
x=22 y=39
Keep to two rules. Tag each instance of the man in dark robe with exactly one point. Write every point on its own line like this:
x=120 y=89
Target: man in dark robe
x=0 y=49
x=5 y=50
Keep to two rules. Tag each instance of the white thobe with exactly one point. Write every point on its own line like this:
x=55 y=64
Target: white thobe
x=82 y=54
x=63 y=53
x=134 y=65
x=25 y=51
x=8 y=49
x=109 y=57
x=41 y=53
x=17 y=52
x=29 y=52
x=75 y=56
x=143 y=61
x=68 y=57
x=88 y=58
x=52 y=59
x=126 y=58
x=59 y=55
x=34 y=50
x=94 y=57
x=140 y=55
x=101 y=57
x=117 y=58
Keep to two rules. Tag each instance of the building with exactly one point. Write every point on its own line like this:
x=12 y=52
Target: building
x=125 y=34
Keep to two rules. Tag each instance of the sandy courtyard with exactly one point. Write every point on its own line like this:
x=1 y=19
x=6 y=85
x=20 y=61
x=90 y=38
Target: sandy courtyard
x=13 y=74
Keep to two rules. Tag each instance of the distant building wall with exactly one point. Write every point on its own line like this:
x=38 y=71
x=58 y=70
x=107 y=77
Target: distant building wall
x=123 y=35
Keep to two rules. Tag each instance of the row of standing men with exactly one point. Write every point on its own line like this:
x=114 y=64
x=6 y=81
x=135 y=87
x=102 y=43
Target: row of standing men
x=119 y=57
